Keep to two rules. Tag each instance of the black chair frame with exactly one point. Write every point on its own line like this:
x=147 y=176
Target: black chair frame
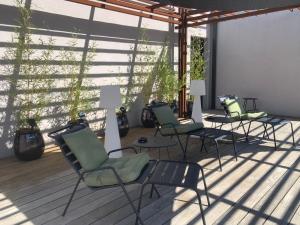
x=176 y=133
x=72 y=160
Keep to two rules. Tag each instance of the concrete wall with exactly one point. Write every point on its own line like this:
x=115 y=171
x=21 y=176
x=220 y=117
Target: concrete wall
x=117 y=55
x=260 y=57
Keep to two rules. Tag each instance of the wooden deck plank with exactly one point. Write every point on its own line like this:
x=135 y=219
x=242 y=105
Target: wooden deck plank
x=261 y=211
x=296 y=217
x=288 y=206
x=36 y=192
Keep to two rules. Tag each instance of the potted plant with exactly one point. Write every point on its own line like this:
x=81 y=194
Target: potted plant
x=122 y=120
x=167 y=84
x=140 y=86
x=30 y=82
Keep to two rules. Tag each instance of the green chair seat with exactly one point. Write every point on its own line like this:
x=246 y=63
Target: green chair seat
x=91 y=155
x=128 y=168
x=255 y=116
x=181 y=128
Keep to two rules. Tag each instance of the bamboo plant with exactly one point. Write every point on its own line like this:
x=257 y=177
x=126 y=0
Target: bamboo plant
x=78 y=97
x=29 y=70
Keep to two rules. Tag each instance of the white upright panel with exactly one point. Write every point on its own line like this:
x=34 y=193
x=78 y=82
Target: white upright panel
x=197 y=89
x=110 y=99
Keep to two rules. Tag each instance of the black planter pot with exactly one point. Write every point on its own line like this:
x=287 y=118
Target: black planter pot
x=148 y=118
x=189 y=107
x=123 y=124
x=28 y=144
x=80 y=121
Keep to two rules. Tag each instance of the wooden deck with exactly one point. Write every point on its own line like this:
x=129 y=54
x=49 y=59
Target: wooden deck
x=262 y=187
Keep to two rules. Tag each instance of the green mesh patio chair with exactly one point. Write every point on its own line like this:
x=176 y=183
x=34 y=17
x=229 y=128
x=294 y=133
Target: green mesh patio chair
x=234 y=111
x=87 y=156
x=168 y=125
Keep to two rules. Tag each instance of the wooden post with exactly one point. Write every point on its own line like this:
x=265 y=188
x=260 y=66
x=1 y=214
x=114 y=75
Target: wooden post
x=182 y=61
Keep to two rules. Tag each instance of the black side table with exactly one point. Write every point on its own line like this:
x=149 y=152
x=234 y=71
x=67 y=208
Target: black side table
x=177 y=174
x=156 y=142
x=215 y=135
x=273 y=122
x=246 y=99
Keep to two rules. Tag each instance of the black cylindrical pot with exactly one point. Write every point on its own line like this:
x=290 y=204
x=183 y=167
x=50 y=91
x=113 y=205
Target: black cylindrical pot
x=123 y=124
x=189 y=108
x=28 y=144
x=147 y=117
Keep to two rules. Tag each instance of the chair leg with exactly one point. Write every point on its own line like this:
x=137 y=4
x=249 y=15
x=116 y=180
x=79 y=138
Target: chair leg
x=132 y=205
x=266 y=131
x=71 y=197
x=139 y=206
x=153 y=188
x=156 y=131
x=205 y=186
x=247 y=134
x=274 y=138
x=292 y=129
x=236 y=127
x=202 y=145
x=182 y=148
x=201 y=208
x=218 y=154
x=234 y=147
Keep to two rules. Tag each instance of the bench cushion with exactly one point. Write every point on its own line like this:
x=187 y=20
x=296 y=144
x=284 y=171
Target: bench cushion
x=256 y=115
x=181 y=128
x=128 y=168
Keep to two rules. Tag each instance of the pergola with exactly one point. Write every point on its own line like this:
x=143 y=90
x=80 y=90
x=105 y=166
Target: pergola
x=191 y=13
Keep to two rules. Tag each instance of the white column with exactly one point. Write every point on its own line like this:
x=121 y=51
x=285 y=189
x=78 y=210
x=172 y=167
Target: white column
x=197 y=90
x=197 y=110
x=110 y=99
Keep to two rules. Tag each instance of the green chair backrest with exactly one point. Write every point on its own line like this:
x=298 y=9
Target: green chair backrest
x=164 y=114
x=233 y=107
x=87 y=148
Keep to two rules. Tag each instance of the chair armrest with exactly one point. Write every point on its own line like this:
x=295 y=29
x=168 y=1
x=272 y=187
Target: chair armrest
x=172 y=126
x=122 y=149
x=238 y=114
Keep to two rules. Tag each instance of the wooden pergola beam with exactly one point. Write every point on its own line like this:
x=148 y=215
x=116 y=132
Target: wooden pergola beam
x=194 y=11
x=150 y=2
x=158 y=5
x=208 y=15
x=105 y=5
x=242 y=15
x=143 y=7
x=182 y=62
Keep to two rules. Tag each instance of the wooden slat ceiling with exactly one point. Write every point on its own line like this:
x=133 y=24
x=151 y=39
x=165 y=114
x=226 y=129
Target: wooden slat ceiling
x=166 y=13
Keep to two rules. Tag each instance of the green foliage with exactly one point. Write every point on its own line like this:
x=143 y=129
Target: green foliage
x=167 y=85
x=197 y=59
x=142 y=79
x=29 y=70
x=77 y=97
